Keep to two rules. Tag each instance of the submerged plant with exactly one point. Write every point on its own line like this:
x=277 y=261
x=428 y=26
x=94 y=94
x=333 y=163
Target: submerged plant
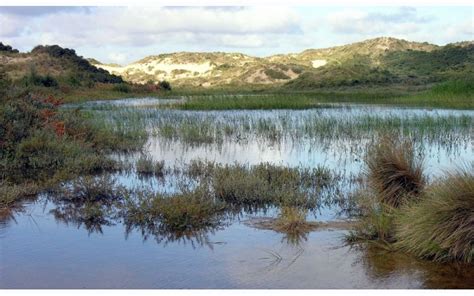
x=441 y=225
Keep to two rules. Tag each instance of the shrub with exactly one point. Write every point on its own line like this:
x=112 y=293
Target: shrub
x=441 y=225
x=122 y=87
x=164 y=85
x=272 y=73
x=393 y=171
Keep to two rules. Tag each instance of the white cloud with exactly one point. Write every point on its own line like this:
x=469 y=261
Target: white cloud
x=144 y=25
x=118 y=58
x=403 y=20
x=10 y=25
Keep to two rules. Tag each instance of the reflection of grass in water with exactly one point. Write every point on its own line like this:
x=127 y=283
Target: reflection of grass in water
x=188 y=215
x=381 y=264
x=198 y=206
x=292 y=222
x=10 y=194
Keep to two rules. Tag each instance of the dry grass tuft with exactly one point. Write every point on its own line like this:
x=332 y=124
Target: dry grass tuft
x=394 y=172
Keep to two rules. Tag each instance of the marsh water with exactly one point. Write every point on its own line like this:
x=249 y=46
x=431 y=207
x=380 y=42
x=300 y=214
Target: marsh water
x=41 y=249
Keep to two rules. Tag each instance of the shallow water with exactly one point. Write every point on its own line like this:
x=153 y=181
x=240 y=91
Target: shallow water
x=39 y=250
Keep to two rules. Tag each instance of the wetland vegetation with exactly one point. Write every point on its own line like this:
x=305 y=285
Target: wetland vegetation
x=227 y=171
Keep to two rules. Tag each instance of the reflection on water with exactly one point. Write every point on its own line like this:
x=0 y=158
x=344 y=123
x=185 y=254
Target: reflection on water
x=57 y=243
x=236 y=256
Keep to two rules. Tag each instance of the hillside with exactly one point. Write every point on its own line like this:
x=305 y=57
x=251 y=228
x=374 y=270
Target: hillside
x=381 y=60
x=61 y=65
x=205 y=69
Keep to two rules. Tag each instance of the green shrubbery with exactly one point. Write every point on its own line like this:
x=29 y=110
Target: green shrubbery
x=34 y=79
x=164 y=85
x=43 y=144
x=274 y=74
x=122 y=87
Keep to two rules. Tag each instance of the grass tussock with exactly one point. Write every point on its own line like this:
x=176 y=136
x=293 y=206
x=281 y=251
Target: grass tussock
x=292 y=220
x=147 y=166
x=267 y=184
x=188 y=210
x=375 y=220
x=394 y=171
x=441 y=225
x=91 y=189
x=11 y=193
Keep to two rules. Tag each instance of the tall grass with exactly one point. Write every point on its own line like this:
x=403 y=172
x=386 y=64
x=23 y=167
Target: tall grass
x=441 y=225
x=394 y=171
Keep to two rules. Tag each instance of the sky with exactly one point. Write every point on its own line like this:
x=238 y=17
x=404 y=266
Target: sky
x=126 y=34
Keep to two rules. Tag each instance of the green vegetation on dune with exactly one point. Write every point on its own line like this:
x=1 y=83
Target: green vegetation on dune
x=60 y=72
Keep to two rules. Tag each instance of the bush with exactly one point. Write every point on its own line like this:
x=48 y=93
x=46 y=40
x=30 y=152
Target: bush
x=274 y=74
x=441 y=225
x=164 y=85
x=122 y=87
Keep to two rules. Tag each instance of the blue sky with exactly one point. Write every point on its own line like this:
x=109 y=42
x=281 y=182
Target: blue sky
x=125 y=34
